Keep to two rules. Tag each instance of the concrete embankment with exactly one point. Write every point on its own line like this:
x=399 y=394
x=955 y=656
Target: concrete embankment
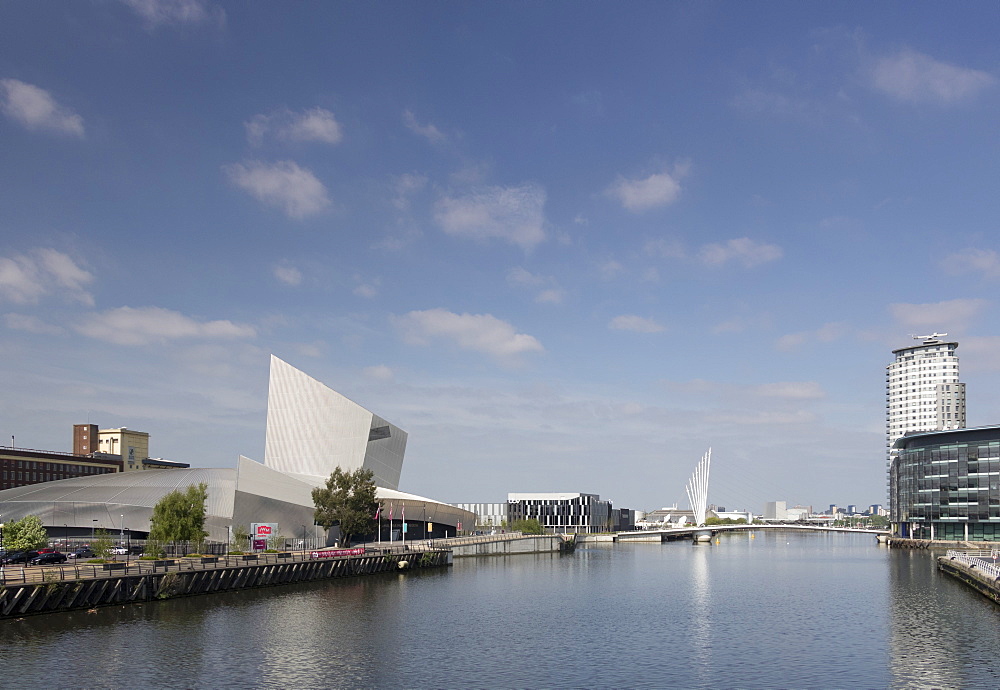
x=899 y=543
x=524 y=544
x=979 y=576
x=141 y=582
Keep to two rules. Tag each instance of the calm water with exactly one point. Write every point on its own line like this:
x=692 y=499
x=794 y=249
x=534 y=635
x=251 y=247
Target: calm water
x=782 y=610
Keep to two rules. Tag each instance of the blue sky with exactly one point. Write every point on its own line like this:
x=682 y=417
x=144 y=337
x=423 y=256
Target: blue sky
x=566 y=246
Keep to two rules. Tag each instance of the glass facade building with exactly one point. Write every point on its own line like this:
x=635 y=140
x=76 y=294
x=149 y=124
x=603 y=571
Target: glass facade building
x=922 y=390
x=945 y=485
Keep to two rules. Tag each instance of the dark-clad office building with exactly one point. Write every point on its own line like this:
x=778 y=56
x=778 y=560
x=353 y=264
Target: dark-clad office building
x=945 y=485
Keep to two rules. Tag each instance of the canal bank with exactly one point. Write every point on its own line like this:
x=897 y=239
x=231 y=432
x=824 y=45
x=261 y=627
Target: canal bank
x=35 y=590
x=977 y=569
x=48 y=592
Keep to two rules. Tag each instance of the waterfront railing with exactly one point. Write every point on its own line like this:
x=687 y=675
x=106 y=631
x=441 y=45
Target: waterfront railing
x=985 y=561
x=15 y=574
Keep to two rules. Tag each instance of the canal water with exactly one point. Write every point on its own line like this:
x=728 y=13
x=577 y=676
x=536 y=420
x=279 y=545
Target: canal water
x=778 y=609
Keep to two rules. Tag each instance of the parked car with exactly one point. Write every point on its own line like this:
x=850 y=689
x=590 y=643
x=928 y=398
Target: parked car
x=84 y=552
x=46 y=550
x=19 y=557
x=48 y=558
x=118 y=551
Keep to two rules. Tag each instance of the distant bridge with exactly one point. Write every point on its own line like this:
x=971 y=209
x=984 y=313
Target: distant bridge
x=689 y=532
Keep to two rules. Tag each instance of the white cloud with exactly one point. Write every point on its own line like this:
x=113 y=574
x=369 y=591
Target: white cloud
x=984 y=261
x=795 y=390
x=315 y=124
x=521 y=277
x=610 y=269
x=379 y=372
x=915 y=77
x=659 y=189
x=428 y=131
x=636 y=324
x=514 y=214
x=283 y=184
x=157 y=12
x=367 y=290
x=288 y=274
x=938 y=316
x=406 y=186
x=30 y=324
x=147 y=325
x=743 y=250
x=551 y=296
x=477 y=332
x=36 y=109
x=827 y=333
x=26 y=278
x=665 y=249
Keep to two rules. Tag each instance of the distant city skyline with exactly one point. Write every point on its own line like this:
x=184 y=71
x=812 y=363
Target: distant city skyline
x=564 y=246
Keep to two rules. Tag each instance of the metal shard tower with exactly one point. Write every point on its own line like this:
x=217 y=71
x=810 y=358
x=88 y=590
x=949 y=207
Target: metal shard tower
x=311 y=429
x=697 y=488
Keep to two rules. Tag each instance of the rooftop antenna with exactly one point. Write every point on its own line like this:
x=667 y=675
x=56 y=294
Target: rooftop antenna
x=932 y=336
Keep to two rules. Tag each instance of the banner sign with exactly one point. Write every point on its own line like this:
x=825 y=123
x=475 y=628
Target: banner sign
x=263 y=529
x=334 y=553
x=259 y=544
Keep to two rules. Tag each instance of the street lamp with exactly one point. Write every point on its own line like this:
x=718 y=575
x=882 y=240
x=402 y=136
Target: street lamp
x=303 y=537
x=92 y=528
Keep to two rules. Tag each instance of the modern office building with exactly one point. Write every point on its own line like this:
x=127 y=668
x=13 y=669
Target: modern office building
x=946 y=485
x=922 y=391
x=562 y=512
x=305 y=446
x=488 y=515
x=775 y=510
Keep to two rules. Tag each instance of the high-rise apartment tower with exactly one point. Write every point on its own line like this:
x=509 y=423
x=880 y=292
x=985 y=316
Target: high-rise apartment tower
x=922 y=391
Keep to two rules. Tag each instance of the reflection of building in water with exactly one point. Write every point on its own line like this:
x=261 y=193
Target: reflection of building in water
x=925 y=647
x=945 y=485
x=700 y=623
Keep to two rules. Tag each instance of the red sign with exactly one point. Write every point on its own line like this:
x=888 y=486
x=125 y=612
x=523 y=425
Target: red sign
x=263 y=529
x=334 y=553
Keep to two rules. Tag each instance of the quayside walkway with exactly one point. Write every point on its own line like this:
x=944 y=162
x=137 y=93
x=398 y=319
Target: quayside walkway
x=977 y=569
x=10 y=575
x=64 y=588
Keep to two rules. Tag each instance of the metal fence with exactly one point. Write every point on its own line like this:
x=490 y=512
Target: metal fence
x=984 y=561
x=17 y=574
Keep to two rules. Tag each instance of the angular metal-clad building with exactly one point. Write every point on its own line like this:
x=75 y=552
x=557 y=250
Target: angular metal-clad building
x=311 y=429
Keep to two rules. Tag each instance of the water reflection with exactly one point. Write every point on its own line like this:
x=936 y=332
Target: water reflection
x=785 y=610
x=700 y=624
x=940 y=630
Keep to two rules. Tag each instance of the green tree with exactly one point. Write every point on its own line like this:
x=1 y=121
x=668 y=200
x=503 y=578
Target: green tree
x=347 y=500
x=102 y=544
x=25 y=534
x=241 y=536
x=529 y=526
x=180 y=516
